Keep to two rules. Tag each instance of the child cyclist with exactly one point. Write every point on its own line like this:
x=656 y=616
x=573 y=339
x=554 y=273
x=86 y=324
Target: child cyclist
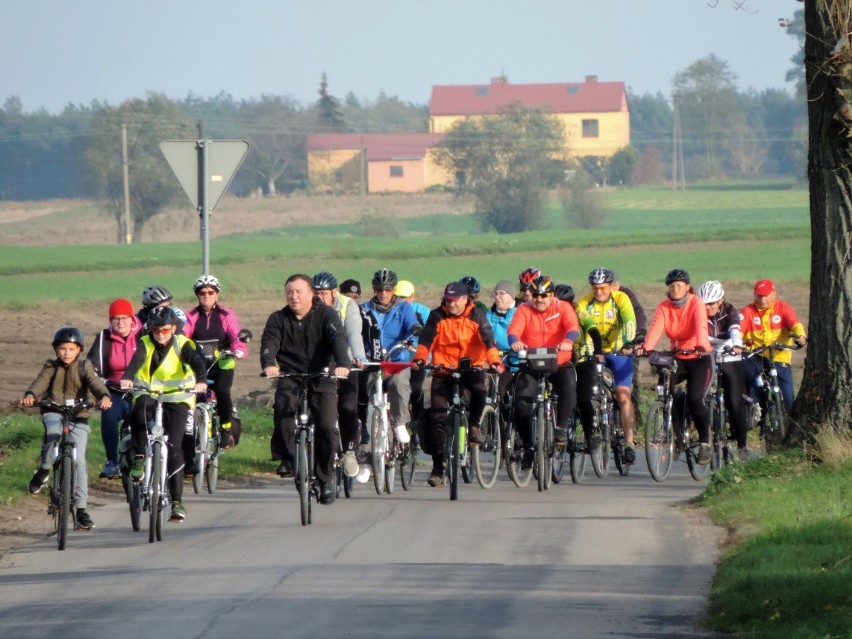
x=167 y=362
x=66 y=378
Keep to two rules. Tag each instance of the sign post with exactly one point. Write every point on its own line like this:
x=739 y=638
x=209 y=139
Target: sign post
x=204 y=169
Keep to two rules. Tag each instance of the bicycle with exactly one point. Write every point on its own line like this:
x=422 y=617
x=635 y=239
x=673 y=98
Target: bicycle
x=64 y=455
x=664 y=440
x=486 y=457
x=304 y=474
x=769 y=411
x=721 y=452
x=607 y=427
x=205 y=419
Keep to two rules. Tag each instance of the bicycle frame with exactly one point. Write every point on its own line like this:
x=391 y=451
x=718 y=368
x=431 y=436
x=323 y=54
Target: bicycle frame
x=772 y=427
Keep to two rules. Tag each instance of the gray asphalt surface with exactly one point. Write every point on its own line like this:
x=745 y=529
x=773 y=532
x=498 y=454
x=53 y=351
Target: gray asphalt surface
x=613 y=557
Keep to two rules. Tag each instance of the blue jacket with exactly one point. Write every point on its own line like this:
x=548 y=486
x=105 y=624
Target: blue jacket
x=500 y=324
x=396 y=325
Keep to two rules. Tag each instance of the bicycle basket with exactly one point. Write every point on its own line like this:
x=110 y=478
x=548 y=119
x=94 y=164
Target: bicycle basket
x=207 y=348
x=661 y=360
x=541 y=360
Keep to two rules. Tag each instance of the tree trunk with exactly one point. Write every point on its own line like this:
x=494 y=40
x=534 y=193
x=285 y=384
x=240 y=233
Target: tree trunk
x=826 y=392
x=137 y=229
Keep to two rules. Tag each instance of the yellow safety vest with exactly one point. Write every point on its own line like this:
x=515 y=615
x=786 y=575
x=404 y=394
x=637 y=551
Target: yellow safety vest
x=171 y=374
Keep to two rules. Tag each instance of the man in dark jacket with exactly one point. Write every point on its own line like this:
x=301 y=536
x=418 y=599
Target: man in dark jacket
x=305 y=336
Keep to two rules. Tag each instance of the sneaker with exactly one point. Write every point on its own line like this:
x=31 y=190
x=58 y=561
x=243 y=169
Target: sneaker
x=226 y=438
x=704 y=454
x=39 y=480
x=475 y=436
x=110 y=471
x=137 y=468
x=178 y=512
x=629 y=455
x=84 y=522
x=527 y=460
x=327 y=493
x=560 y=435
x=350 y=463
x=284 y=469
x=436 y=480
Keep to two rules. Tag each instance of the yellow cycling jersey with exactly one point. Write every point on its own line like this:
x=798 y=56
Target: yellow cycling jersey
x=614 y=319
x=171 y=374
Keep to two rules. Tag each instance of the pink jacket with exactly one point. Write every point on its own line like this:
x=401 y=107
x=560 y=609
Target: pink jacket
x=110 y=352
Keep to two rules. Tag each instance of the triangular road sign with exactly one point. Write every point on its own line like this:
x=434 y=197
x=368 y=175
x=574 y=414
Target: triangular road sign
x=223 y=159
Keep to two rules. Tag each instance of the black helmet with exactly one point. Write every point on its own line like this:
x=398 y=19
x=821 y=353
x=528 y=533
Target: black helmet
x=324 y=281
x=385 y=280
x=472 y=284
x=527 y=276
x=542 y=285
x=677 y=275
x=153 y=295
x=601 y=276
x=68 y=334
x=163 y=315
x=564 y=292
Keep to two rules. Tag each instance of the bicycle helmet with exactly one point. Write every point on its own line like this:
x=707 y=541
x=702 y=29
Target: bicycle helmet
x=163 y=315
x=404 y=288
x=527 y=276
x=472 y=284
x=153 y=295
x=601 y=276
x=324 y=281
x=677 y=275
x=385 y=280
x=181 y=316
x=542 y=285
x=68 y=334
x=206 y=280
x=565 y=292
x=711 y=291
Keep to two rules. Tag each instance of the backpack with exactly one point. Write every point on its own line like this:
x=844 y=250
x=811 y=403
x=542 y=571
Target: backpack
x=371 y=334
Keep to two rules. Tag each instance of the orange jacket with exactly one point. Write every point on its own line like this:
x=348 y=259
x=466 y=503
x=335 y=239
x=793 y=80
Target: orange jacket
x=685 y=326
x=451 y=337
x=546 y=329
x=776 y=324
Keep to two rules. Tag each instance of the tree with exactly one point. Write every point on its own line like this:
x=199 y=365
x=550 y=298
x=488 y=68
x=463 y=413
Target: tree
x=826 y=391
x=507 y=163
x=153 y=185
x=329 y=114
x=622 y=165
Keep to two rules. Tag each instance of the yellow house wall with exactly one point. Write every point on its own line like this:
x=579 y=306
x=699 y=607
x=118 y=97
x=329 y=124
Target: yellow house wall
x=380 y=180
x=322 y=164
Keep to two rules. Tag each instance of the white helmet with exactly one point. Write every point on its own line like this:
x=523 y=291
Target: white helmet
x=711 y=291
x=206 y=280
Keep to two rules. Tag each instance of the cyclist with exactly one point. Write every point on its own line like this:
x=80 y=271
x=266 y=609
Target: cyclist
x=610 y=314
x=164 y=361
x=110 y=353
x=207 y=322
x=525 y=279
x=473 y=286
x=454 y=330
x=351 y=289
x=765 y=321
x=500 y=316
x=682 y=316
x=396 y=322
x=305 y=336
x=153 y=297
x=325 y=288
x=641 y=331
x=551 y=323
x=405 y=291
x=66 y=378
x=564 y=292
x=723 y=329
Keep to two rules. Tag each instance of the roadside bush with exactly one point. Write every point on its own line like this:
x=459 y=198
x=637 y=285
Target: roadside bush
x=376 y=224
x=583 y=205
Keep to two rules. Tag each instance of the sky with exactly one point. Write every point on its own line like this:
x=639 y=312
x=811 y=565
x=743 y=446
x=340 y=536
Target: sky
x=55 y=52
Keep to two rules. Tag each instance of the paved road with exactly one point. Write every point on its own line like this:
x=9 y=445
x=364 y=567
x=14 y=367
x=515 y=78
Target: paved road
x=609 y=558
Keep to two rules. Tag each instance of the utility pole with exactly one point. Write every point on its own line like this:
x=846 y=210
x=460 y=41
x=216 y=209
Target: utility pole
x=127 y=234
x=677 y=148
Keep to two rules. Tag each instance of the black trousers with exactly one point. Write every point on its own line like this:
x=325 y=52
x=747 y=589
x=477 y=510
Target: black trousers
x=564 y=382
x=474 y=382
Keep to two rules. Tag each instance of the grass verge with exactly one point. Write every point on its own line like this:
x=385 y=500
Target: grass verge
x=788 y=570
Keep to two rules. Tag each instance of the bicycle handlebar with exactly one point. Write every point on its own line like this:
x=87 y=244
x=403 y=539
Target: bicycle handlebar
x=74 y=407
x=774 y=346
x=304 y=376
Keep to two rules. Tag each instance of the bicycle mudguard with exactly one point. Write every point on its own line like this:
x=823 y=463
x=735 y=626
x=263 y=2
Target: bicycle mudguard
x=390 y=368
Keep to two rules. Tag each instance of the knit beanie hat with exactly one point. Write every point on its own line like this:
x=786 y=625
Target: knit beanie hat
x=121 y=306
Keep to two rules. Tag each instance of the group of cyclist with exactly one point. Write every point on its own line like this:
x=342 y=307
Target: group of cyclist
x=324 y=325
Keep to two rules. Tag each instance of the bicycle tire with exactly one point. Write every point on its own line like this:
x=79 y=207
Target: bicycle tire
x=606 y=441
x=200 y=425
x=303 y=477
x=774 y=424
x=453 y=457
x=691 y=446
x=539 y=465
x=718 y=454
x=619 y=441
x=487 y=455
x=514 y=461
x=348 y=484
x=549 y=448
x=154 y=505
x=390 y=464
x=66 y=470
x=659 y=444
x=408 y=465
x=599 y=451
x=211 y=472
x=133 y=491
x=378 y=446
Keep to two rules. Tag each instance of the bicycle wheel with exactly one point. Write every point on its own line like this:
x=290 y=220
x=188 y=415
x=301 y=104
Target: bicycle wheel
x=559 y=462
x=408 y=464
x=303 y=477
x=577 y=453
x=200 y=426
x=539 y=465
x=348 y=483
x=618 y=443
x=514 y=461
x=453 y=457
x=378 y=446
x=211 y=472
x=549 y=448
x=774 y=423
x=66 y=473
x=719 y=455
x=390 y=464
x=659 y=444
x=486 y=456
x=691 y=446
x=154 y=505
x=598 y=447
x=133 y=491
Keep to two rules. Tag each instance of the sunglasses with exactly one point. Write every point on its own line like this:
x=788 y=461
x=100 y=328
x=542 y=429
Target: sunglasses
x=541 y=295
x=164 y=330
x=205 y=293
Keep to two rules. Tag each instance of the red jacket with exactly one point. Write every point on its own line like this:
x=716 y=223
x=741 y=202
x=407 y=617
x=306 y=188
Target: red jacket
x=685 y=326
x=546 y=329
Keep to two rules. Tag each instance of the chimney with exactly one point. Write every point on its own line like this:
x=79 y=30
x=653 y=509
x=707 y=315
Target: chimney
x=591 y=78
x=500 y=79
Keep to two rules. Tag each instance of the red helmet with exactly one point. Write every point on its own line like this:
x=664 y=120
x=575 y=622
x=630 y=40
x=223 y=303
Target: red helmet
x=527 y=276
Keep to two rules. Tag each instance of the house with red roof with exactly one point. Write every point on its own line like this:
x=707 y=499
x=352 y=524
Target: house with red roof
x=594 y=114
